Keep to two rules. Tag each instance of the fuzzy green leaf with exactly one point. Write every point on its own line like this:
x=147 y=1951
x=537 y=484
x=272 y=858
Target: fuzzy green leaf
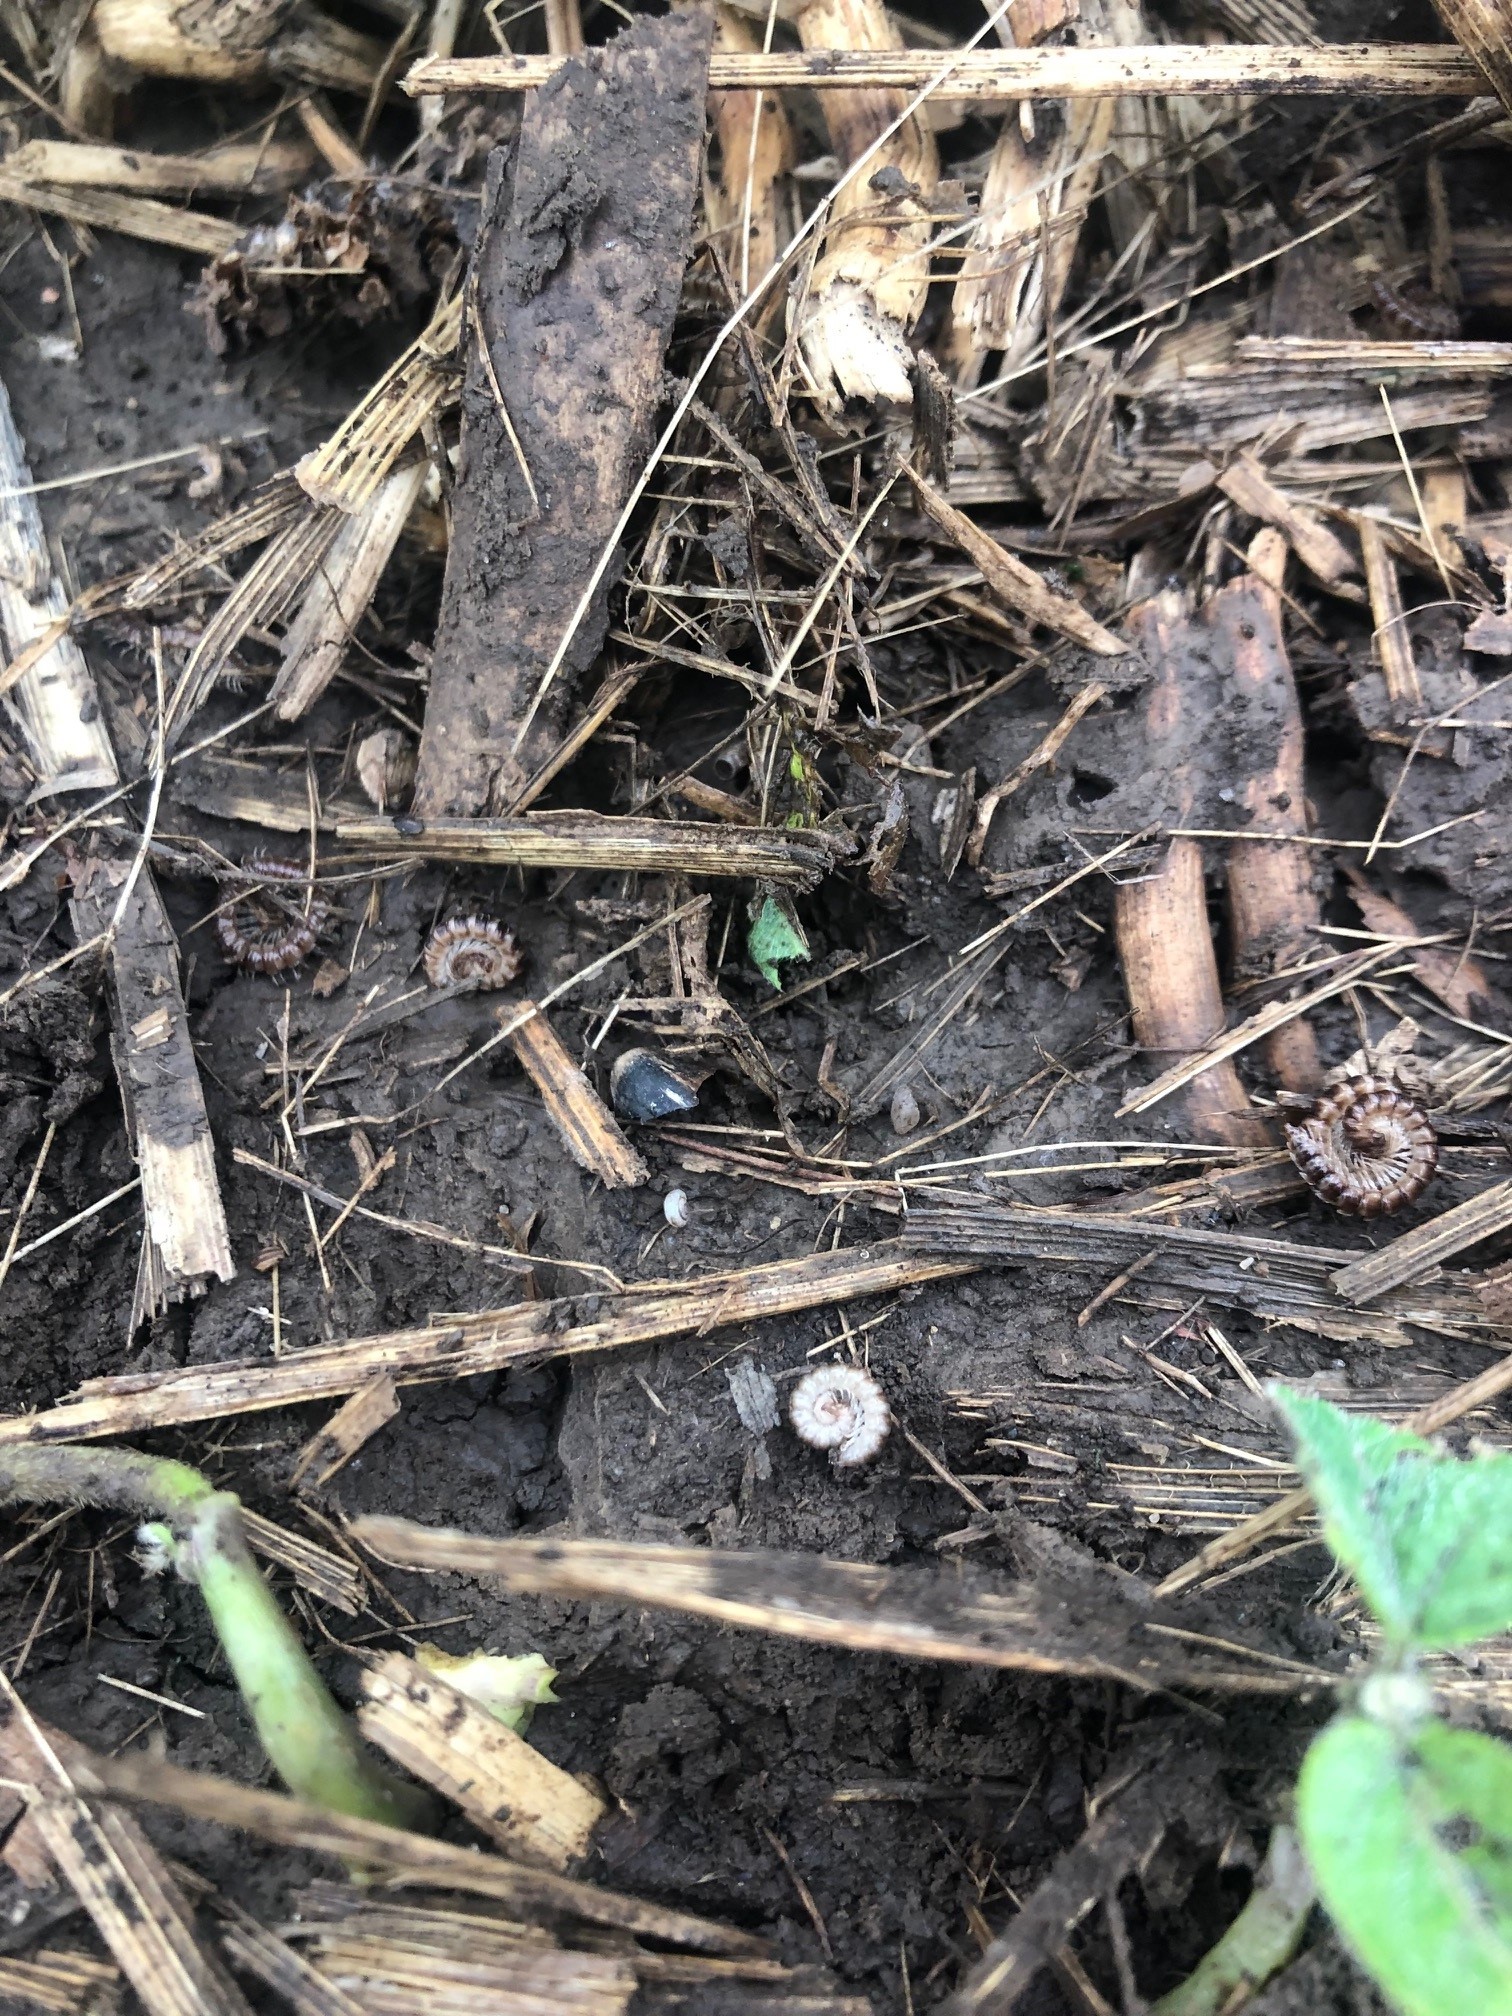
x=1411 y=1845
x=775 y=935
x=1427 y=1536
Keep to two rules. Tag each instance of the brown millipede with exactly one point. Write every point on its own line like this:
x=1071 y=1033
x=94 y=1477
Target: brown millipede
x=471 y=952
x=1414 y=312
x=263 y=934
x=1366 y=1147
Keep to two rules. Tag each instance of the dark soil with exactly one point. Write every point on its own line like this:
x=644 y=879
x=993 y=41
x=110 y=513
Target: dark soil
x=918 y=1804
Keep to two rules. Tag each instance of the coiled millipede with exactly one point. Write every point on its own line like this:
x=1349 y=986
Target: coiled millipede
x=472 y=952
x=840 y=1408
x=1366 y=1147
x=263 y=933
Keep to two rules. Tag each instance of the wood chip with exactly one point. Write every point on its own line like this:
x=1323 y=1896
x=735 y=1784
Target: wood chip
x=535 y=1811
x=1014 y=583
x=356 y=1421
x=592 y=1134
x=1322 y=552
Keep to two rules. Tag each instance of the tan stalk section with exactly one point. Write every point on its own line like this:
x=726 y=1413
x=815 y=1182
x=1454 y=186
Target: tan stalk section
x=921 y=1615
x=457 y=1347
x=753 y=165
x=245 y=42
x=1273 y=908
x=871 y=278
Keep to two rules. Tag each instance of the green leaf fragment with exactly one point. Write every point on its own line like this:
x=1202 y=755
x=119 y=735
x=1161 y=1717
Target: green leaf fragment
x=509 y=1688
x=1411 y=1846
x=775 y=935
x=1428 y=1537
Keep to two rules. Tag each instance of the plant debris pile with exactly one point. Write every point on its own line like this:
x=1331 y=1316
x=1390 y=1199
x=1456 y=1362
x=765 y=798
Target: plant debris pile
x=755 y=830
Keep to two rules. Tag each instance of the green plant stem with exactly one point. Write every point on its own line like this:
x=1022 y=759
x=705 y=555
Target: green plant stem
x=311 y=1743
x=1260 y=1941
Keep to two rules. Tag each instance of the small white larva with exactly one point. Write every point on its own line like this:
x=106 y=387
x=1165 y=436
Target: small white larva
x=841 y=1408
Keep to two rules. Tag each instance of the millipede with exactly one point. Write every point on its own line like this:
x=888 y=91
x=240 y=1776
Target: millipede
x=1415 y=313
x=259 y=932
x=1366 y=1148
x=473 y=952
x=841 y=1408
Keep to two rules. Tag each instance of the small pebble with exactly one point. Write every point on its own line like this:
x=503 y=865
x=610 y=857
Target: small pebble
x=905 y=1114
x=675 y=1207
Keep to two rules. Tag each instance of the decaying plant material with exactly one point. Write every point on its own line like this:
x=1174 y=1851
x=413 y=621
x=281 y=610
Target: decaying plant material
x=756 y=734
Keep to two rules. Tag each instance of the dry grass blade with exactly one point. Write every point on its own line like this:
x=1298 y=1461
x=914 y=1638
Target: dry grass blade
x=796 y=859
x=410 y=1858
x=347 y=469
x=268 y=589
x=272 y=507
x=1277 y=1518
x=1270 y=1277
x=978 y=960
x=1126 y=1828
x=399 y=1977
x=864 y=1608
x=47 y=685
x=280 y=1967
x=458 y=1347
x=1263 y=1022
x=136 y=216
x=1008 y=75
x=314 y=1568
x=59 y=1984
x=337 y=598
x=1483 y=31
x=534 y=1810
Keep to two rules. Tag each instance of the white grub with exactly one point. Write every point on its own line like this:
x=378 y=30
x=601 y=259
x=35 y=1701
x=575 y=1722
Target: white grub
x=841 y=1408
x=675 y=1207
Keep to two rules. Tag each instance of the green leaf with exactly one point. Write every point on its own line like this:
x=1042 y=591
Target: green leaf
x=1427 y=1536
x=1410 y=1845
x=509 y=1688
x=775 y=934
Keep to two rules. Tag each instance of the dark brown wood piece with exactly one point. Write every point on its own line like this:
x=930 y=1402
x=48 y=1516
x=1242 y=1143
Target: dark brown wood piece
x=576 y=281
